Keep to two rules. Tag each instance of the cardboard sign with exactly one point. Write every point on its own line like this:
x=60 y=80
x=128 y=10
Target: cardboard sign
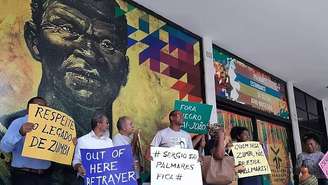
x=175 y=166
x=196 y=116
x=51 y=137
x=109 y=166
x=324 y=164
x=251 y=156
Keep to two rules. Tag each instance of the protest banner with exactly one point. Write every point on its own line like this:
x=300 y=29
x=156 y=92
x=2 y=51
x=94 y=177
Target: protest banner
x=175 y=166
x=324 y=165
x=196 y=116
x=52 y=136
x=109 y=166
x=251 y=156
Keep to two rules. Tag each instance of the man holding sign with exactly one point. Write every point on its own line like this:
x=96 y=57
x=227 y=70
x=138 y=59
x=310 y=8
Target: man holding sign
x=129 y=136
x=98 y=138
x=25 y=170
x=109 y=166
x=173 y=136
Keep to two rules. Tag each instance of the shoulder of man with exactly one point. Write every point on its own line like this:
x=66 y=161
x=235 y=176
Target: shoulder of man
x=185 y=133
x=116 y=136
x=84 y=137
x=163 y=130
x=5 y=120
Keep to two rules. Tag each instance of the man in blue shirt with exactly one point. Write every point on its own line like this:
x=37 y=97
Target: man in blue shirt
x=24 y=170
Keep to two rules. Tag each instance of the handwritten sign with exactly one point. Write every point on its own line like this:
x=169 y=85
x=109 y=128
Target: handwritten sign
x=109 y=166
x=324 y=164
x=51 y=137
x=196 y=116
x=251 y=156
x=175 y=166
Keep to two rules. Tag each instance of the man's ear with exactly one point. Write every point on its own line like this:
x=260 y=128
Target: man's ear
x=32 y=39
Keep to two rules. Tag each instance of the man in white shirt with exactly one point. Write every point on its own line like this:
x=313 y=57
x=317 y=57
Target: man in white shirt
x=172 y=136
x=128 y=135
x=98 y=138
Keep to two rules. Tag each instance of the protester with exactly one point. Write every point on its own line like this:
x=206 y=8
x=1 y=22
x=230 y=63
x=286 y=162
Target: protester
x=172 y=136
x=241 y=134
x=129 y=136
x=217 y=168
x=312 y=156
x=24 y=170
x=98 y=138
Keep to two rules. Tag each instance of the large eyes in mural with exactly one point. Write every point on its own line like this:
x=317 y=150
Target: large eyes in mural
x=80 y=55
x=106 y=44
x=67 y=28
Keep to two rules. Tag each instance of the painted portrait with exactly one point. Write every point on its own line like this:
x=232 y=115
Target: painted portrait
x=89 y=55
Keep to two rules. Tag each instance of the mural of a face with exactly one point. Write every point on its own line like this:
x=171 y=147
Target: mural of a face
x=81 y=46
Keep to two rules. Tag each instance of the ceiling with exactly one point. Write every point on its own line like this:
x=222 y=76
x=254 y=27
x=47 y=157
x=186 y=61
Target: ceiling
x=288 y=39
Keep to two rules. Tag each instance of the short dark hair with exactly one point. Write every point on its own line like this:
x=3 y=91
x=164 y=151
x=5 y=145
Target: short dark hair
x=172 y=113
x=33 y=100
x=120 y=122
x=237 y=131
x=96 y=118
x=309 y=136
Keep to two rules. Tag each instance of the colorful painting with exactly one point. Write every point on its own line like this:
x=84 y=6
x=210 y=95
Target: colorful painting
x=242 y=83
x=84 y=56
x=225 y=118
x=274 y=140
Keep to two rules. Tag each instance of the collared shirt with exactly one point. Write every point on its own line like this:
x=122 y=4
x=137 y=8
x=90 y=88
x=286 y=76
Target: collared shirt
x=170 y=138
x=120 y=139
x=13 y=142
x=90 y=141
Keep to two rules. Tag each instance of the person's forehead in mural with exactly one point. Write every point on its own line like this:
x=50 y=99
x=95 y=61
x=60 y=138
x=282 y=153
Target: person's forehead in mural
x=82 y=46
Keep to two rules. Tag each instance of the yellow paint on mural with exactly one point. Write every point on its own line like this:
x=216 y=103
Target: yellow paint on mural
x=251 y=156
x=165 y=49
x=138 y=35
x=162 y=66
x=145 y=98
x=155 y=24
x=52 y=136
x=196 y=53
x=175 y=53
x=20 y=73
x=123 y=5
x=164 y=36
x=133 y=17
x=184 y=78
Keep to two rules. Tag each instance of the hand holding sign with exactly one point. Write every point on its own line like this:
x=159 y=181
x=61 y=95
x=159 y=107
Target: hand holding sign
x=251 y=156
x=196 y=116
x=49 y=135
x=175 y=166
x=80 y=169
x=109 y=166
x=27 y=127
